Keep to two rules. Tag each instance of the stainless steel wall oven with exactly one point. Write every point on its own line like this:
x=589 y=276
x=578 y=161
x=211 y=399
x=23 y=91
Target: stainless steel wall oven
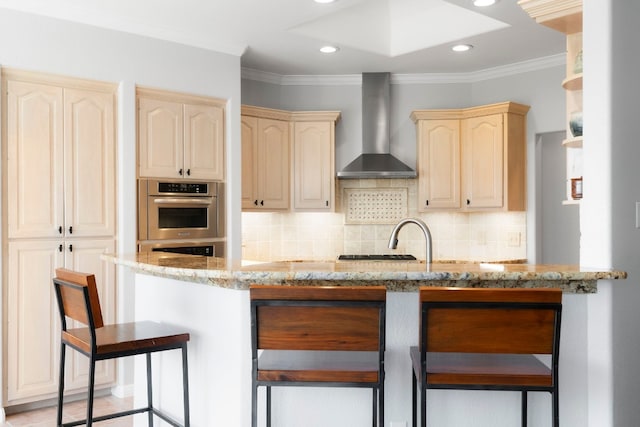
x=180 y=210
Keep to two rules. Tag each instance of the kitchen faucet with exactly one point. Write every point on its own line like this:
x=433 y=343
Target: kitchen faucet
x=393 y=240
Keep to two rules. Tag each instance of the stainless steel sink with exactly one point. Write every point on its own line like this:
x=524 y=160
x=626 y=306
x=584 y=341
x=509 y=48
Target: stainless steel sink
x=381 y=257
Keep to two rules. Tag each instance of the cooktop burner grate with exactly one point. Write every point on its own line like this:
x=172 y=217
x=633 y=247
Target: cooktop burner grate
x=385 y=257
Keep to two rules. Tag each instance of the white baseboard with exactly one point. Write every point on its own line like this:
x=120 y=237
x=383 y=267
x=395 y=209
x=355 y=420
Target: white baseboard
x=122 y=391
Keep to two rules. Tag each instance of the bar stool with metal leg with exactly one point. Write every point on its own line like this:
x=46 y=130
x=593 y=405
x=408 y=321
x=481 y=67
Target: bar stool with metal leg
x=487 y=339
x=318 y=337
x=77 y=297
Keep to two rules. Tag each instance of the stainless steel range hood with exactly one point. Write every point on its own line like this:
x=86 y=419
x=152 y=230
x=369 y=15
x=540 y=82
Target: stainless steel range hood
x=376 y=160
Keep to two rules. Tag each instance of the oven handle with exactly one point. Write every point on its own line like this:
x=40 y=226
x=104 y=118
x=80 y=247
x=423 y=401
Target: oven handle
x=185 y=200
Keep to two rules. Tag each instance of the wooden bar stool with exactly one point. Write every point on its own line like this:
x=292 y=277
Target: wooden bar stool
x=77 y=297
x=318 y=337
x=487 y=339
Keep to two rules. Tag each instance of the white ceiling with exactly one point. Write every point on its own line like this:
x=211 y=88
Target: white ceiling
x=283 y=36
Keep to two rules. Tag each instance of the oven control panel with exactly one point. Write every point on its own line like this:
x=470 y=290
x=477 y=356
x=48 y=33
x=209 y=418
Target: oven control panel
x=183 y=187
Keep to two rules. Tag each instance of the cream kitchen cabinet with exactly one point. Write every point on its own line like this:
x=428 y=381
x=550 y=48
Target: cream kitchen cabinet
x=288 y=155
x=60 y=160
x=438 y=164
x=33 y=320
x=180 y=136
x=265 y=160
x=472 y=159
x=59 y=172
x=314 y=160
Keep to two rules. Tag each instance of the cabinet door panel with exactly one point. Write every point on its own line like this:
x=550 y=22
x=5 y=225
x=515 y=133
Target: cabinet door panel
x=33 y=320
x=160 y=124
x=204 y=141
x=249 y=161
x=273 y=169
x=89 y=163
x=34 y=160
x=313 y=172
x=483 y=161
x=85 y=256
x=439 y=164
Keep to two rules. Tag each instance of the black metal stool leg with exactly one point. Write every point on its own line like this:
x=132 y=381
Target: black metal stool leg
x=92 y=376
x=149 y=391
x=268 y=406
x=61 y=385
x=414 y=395
x=524 y=409
x=185 y=385
x=374 y=419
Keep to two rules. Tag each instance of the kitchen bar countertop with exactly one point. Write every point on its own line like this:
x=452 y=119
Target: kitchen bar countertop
x=397 y=276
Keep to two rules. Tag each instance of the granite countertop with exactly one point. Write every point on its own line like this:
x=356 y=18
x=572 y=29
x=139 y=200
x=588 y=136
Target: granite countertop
x=397 y=276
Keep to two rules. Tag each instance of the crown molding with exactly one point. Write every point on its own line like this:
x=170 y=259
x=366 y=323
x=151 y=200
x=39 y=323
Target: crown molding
x=425 y=78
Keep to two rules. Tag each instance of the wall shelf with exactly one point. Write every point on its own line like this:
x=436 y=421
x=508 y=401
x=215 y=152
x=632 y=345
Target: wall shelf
x=573 y=82
x=573 y=142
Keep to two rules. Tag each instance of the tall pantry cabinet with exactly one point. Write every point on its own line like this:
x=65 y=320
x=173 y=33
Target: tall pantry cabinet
x=59 y=210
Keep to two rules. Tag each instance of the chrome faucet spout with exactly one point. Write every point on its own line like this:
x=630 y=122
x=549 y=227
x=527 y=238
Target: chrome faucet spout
x=393 y=239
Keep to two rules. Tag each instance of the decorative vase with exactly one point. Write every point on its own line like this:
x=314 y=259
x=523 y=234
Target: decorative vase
x=575 y=124
x=577 y=64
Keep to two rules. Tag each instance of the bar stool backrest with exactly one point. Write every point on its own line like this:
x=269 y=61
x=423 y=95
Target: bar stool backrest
x=304 y=318
x=508 y=321
x=77 y=295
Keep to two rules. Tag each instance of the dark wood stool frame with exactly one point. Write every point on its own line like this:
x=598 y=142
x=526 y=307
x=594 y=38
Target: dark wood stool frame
x=77 y=298
x=332 y=321
x=486 y=339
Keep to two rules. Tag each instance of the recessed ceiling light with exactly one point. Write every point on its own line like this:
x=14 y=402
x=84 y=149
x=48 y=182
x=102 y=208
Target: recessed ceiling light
x=324 y=1
x=481 y=3
x=328 y=49
x=461 y=47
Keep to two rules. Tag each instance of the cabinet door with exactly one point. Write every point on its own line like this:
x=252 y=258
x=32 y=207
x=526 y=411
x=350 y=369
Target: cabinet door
x=313 y=166
x=89 y=165
x=160 y=139
x=33 y=320
x=203 y=142
x=273 y=164
x=34 y=160
x=249 y=162
x=483 y=161
x=438 y=164
x=84 y=255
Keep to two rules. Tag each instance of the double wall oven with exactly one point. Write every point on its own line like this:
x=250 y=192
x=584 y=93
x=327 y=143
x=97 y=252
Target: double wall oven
x=181 y=216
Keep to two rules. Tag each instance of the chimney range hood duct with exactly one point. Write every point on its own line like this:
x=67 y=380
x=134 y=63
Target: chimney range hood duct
x=376 y=160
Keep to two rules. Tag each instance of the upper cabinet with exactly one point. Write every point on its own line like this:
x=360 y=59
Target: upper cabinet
x=180 y=136
x=265 y=163
x=60 y=159
x=297 y=164
x=472 y=159
x=566 y=16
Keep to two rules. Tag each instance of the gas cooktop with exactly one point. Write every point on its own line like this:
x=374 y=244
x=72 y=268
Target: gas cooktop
x=385 y=257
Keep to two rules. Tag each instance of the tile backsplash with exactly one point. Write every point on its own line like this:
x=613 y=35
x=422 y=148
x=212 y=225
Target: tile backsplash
x=323 y=236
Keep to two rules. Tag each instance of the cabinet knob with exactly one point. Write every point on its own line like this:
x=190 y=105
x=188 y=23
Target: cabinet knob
x=60 y=248
x=261 y=202
x=326 y=203
x=71 y=229
x=70 y=248
x=188 y=172
x=60 y=229
x=255 y=202
x=468 y=202
x=426 y=202
x=180 y=172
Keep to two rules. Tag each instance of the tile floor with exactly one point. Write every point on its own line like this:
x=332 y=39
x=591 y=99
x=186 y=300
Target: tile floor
x=46 y=417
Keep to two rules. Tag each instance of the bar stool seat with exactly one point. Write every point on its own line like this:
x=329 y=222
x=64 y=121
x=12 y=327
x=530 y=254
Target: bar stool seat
x=78 y=300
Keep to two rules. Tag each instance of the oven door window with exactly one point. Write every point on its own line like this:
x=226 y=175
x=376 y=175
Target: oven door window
x=174 y=217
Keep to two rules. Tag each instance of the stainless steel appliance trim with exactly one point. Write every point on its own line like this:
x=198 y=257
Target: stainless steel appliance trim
x=193 y=200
